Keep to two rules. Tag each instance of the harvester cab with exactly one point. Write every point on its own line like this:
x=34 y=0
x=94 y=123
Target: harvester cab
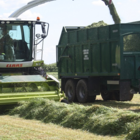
x=21 y=59
x=19 y=42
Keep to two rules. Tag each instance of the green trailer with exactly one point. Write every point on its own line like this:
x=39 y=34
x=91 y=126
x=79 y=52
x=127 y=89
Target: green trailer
x=102 y=60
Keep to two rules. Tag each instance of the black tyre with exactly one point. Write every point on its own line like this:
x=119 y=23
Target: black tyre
x=70 y=90
x=116 y=96
x=131 y=97
x=82 y=91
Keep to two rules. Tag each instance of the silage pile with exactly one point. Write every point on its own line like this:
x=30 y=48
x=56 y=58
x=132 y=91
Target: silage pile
x=97 y=24
x=113 y=13
x=96 y=118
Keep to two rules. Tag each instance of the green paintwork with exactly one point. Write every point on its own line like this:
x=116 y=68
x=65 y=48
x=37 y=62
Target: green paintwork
x=99 y=52
x=9 y=98
x=21 y=79
x=38 y=63
x=25 y=87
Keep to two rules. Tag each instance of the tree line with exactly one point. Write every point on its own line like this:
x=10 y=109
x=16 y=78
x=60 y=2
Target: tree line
x=50 y=67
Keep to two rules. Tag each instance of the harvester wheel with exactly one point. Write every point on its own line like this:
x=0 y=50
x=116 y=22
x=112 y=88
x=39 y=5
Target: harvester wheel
x=82 y=91
x=70 y=90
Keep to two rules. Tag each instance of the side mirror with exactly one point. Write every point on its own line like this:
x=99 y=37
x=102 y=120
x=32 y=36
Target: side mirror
x=43 y=35
x=43 y=28
x=38 y=35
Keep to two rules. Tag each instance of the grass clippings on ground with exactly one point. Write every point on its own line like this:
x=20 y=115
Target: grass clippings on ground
x=97 y=119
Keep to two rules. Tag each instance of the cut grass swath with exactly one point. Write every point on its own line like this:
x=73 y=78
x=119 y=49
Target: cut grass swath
x=96 y=118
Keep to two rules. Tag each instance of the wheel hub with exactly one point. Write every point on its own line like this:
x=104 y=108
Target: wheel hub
x=70 y=92
x=82 y=92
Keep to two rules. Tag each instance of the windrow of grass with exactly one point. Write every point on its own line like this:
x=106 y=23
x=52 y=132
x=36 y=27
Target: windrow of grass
x=95 y=119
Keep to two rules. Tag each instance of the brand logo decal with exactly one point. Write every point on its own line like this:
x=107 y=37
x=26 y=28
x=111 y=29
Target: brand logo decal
x=13 y=65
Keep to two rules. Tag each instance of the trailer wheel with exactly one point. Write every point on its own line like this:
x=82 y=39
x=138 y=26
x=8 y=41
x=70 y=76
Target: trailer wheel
x=131 y=97
x=70 y=90
x=82 y=91
x=116 y=96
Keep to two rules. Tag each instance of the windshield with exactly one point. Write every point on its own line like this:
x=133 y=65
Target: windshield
x=131 y=43
x=15 y=42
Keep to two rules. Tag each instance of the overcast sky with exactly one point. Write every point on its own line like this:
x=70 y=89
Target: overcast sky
x=61 y=13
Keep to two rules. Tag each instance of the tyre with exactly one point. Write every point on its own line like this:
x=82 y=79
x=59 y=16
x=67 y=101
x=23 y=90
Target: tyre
x=131 y=97
x=82 y=91
x=116 y=96
x=70 y=91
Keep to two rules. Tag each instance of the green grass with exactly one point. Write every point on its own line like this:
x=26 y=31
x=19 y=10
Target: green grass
x=97 y=119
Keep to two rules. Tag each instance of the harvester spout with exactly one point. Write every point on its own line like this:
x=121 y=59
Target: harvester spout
x=29 y=5
x=112 y=10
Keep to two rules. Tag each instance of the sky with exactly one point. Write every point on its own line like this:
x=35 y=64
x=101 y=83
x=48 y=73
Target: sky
x=59 y=13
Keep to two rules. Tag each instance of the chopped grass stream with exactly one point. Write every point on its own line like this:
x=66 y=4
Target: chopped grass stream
x=96 y=119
